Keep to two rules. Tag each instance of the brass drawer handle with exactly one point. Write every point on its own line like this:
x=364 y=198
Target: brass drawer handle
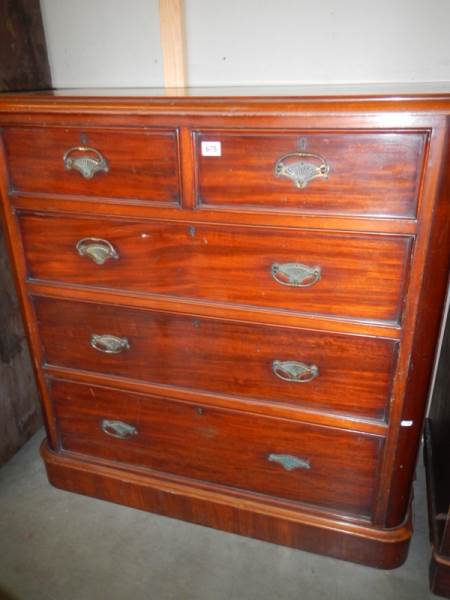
x=98 y=250
x=295 y=274
x=289 y=462
x=301 y=171
x=118 y=429
x=294 y=371
x=109 y=344
x=88 y=164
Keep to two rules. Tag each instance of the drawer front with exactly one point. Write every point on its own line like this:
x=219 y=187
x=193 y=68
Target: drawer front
x=353 y=275
x=359 y=173
x=347 y=373
x=318 y=465
x=137 y=164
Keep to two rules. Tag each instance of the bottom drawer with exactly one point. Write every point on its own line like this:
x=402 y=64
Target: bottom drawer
x=318 y=465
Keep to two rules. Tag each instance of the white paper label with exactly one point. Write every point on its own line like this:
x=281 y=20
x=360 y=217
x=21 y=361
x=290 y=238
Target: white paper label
x=211 y=149
x=406 y=423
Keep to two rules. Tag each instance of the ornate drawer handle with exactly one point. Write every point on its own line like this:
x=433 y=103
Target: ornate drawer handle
x=118 y=429
x=87 y=164
x=98 y=250
x=301 y=172
x=292 y=370
x=289 y=462
x=109 y=344
x=295 y=274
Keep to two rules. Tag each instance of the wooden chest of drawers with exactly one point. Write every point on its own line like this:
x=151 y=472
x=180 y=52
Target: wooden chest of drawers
x=233 y=303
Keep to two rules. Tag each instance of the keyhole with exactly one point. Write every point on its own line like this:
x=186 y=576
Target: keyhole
x=84 y=139
x=192 y=231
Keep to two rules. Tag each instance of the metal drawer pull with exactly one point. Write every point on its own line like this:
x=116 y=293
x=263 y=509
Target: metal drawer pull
x=289 y=462
x=292 y=370
x=109 y=344
x=118 y=429
x=87 y=164
x=295 y=274
x=98 y=250
x=298 y=170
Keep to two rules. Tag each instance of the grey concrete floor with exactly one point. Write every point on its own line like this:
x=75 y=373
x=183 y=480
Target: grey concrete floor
x=55 y=545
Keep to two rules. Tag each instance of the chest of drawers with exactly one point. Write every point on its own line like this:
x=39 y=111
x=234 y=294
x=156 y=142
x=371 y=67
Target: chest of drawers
x=233 y=303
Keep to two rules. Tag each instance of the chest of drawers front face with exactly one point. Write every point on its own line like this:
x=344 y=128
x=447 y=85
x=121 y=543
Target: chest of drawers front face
x=221 y=301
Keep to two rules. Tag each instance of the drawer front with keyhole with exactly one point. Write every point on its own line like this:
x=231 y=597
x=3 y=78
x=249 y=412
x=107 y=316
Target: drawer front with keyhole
x=357 y=173
x=109 y=163
x=300 y=462
x=303 y=271
x=300 y=367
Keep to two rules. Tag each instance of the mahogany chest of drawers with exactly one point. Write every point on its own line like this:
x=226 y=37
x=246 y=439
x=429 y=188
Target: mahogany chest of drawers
x=233 y=303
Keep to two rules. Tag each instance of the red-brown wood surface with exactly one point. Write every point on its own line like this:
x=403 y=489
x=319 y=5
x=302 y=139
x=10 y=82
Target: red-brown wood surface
x=225 y=264
x=439 y=575
x=383 y=379
x=240 y=512
x=355 y=372
x=143 y=164
x=426 y=299
x=370 y=173
x=225 y=447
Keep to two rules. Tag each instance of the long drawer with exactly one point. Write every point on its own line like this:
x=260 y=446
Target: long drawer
x=348 y=173
x=347 y=373
x=306 y=463
x=305 y=271
x=133 y=164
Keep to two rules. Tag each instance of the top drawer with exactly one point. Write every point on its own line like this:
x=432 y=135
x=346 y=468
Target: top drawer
x=123 y=163
x=358 y=173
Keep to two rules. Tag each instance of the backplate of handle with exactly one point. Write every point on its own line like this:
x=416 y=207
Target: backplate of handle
x=118 y=429
x=98 y=250
x=109 y=344
x=294 y=371
x=87 y=161
x=301 y=167
x=295 y=274
x=289 y=461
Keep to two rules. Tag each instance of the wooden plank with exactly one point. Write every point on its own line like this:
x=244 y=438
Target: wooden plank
x=19 y=407
x=171 y=14
x=440 y=405
x=439 y=425
x=26 y=67
x=22 y=41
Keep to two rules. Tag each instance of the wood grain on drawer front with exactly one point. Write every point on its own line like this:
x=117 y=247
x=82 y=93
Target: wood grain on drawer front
x=336 y=469
x=143 y=164
x=361 y=276
x=369 y=173
x=355 y=372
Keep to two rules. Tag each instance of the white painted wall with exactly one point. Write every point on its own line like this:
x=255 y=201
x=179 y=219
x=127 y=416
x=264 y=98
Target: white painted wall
x=101 y=43
x=318 y=41
x=242 y=42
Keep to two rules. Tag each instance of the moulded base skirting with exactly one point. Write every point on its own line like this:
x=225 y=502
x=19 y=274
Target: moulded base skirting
x=439 y=571
x=249 y=516
x=440 y=575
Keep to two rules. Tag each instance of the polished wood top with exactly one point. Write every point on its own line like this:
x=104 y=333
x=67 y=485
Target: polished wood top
x=305 y=91
x=434 y=97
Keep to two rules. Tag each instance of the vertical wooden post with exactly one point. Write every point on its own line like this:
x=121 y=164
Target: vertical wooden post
x=171 y=15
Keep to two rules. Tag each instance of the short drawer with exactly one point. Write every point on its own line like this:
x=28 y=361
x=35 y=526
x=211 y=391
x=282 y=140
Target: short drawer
x=351 y=275
x=339 y=372
x=133 y=164
x=356 y=173
x=317 y=465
